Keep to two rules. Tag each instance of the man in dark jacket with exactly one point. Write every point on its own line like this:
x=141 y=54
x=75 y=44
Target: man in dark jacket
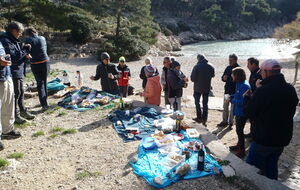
x=11 y=44
x=229 y=91
x=253 y=66
x=6 y=99
x=201 y=75
x=271 y=110
x=176 y=82
x=39 y=63
x=108 y=74
x=163 y=78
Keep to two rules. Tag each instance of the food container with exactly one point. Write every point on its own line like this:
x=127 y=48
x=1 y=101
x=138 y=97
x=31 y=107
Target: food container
x=149 y=143
x=192 y=133
x=173 y=160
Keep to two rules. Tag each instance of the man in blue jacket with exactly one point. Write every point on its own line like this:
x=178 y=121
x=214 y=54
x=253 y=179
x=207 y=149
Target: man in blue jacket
x=271 y=110
x=229 y=91
x=11 y=44
x=6 y=99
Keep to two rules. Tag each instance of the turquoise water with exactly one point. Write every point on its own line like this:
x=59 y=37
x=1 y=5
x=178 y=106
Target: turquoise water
x=259 y=48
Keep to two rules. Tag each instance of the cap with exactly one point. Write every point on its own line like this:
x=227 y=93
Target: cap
x=122 y=59
x=270 y=65
x=104 y=55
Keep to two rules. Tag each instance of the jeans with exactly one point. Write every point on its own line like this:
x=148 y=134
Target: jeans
x=201 y=114
x=19 y=95
x=240 y=125
x=228 y=113
x=123 y=91
x=265 y=158
x=7 y=109
x=40 y=72
x=172 y=101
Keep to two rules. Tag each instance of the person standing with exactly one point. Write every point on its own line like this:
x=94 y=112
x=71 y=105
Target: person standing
x=124 y=77
x=39 y=63
x=108 y=74
x=253 y=66
x=148 y=61
x=7 y=115
x=11 y=44
x=163 y=79
x=176 y=82
x=202 y=75
x=152 y=91
x=242 y=86
x=229 y=91
x=271 y=109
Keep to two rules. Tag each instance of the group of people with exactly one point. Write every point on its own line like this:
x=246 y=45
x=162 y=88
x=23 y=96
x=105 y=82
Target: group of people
x=267 y=100
x=13 y=58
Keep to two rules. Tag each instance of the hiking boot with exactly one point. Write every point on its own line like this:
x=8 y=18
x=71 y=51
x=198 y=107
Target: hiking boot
x=1 y=146
x=11 y=135
x=204 y=123
x=27 y=115
x=198 y=120
x=19 y=120
x=222 y=124
x=45 y=108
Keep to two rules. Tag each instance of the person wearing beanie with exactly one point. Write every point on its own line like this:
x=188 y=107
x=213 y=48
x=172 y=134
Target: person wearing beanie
x=271 y=110
x=124 y=77
x=153 y=88
x=108 y=74
x=176 y=82
x=142 y=73
x=202 y=74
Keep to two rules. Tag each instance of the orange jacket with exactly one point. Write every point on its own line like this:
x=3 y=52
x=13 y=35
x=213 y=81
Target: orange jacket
x=153 y=91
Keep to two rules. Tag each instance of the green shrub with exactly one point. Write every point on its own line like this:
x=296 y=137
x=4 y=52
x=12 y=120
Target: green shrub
x=248 y=17
x=3 y=163
x=81 y=29
x=16 y=155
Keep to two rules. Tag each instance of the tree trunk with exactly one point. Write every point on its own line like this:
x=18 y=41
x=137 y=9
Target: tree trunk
x=118 y=23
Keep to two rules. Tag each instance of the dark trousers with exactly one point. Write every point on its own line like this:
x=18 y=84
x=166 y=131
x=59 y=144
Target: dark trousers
x=240 y=122
x=166 y=93
x=40 y=72
x=123 y=91
x=201 y=114
x=265 y=158
x=19 y=95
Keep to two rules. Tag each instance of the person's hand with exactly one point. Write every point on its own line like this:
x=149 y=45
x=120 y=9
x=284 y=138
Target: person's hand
x=92 y=77
x=186 y=79
x=225 y=77
x=110 y=76
x=258 y=83
x=4 y=62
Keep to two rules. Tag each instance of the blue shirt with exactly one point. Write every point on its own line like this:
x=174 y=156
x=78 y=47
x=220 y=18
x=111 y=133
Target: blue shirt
x=238 y=98
x=5 y=72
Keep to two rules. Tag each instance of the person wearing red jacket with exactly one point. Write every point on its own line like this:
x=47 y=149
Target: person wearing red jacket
x=124 y=77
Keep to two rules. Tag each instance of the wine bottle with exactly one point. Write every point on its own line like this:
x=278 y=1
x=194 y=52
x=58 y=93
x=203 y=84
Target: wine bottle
x=201 y=158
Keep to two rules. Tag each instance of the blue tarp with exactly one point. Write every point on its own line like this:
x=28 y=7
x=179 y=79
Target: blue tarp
x=74 y=99
x=55 y=85
x=148 y=115
x=150 y=164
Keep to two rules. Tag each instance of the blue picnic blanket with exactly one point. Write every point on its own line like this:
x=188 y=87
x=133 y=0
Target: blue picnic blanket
x=150 y=164
x=76 y=99
x=144 y=123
